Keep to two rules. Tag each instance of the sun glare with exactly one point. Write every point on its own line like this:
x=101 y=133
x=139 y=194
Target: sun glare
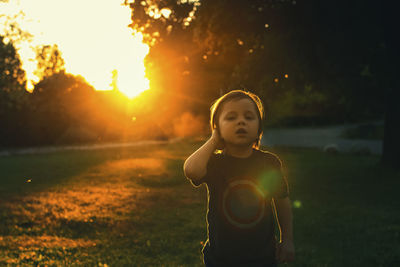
x=93 y=37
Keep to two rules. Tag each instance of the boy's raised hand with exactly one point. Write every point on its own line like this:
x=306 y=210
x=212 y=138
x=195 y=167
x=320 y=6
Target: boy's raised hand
x=215 y=136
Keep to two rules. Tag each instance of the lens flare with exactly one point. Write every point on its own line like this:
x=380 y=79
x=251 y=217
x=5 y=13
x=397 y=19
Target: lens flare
x=269 y=181
x=297 y=204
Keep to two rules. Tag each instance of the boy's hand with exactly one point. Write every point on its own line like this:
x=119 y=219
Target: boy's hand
x=285 y=252
x=217 y=139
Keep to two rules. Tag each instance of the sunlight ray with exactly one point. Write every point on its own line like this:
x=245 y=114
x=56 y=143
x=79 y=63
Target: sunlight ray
x=93 y=37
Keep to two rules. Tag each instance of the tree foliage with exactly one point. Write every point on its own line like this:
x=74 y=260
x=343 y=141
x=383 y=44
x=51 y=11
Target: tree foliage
x=13 y=97
x=60 y=102
x=49 y=61
x=12 y=76
x=304 y=58
x=12 y=30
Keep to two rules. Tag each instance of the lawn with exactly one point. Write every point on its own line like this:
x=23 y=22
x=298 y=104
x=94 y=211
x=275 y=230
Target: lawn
x=133 y=207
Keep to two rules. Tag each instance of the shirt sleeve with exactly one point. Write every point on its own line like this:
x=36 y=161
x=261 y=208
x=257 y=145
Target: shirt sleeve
x=273 y=180
x=211 y=167
x=282 y=184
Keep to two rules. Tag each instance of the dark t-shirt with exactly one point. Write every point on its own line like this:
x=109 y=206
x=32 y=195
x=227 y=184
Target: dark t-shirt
x=240 y=218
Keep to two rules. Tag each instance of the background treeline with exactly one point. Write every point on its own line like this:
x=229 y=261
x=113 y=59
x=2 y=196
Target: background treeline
x=312 y=63
x=62 y=108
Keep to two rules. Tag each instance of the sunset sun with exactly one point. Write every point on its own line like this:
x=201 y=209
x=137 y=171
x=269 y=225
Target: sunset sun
x=93 y=37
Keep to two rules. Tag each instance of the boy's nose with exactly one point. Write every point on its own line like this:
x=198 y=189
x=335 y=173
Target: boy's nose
x=241 y=122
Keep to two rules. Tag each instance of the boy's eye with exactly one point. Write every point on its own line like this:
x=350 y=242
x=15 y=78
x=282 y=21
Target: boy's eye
x=250 y=117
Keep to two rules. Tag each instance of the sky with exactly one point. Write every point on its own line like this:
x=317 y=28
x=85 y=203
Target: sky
x=93 y=37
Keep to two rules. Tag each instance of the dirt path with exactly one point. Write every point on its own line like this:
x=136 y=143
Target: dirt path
x=297 y=137
x=319 y=138
x=49 y=149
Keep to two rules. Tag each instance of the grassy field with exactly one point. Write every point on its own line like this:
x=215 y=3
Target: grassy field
x=133 y=207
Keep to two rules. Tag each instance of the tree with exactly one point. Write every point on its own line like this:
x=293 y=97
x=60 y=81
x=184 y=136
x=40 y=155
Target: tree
x=49 y=61
x=311 y=58
x=165 y=27
x=58 y=102
x=64 y=108
x=13 y=96
x=391 y=142
x=12 y=76
x=196 y=48
x=12 y=29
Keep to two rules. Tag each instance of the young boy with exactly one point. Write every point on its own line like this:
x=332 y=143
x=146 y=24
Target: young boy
x=243 y=183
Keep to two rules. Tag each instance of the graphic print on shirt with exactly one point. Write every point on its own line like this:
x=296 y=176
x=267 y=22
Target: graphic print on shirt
x=243 y=203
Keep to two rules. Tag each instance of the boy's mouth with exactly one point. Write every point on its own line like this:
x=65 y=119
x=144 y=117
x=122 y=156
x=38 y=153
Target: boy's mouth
x=241 y=131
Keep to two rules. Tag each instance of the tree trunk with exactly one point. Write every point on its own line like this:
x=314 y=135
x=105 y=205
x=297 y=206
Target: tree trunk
x=391 y=140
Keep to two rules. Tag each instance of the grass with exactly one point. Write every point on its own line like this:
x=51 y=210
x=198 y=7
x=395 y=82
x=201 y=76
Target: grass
x=133 y=207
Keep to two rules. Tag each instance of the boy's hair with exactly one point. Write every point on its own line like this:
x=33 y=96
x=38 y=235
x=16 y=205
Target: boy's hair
x=237 y=95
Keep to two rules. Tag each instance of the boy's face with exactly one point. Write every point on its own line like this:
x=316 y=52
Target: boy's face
x=238 y=122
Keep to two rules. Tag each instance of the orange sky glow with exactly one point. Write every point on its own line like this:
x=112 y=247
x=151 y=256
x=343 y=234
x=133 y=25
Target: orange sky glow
x=92 y=36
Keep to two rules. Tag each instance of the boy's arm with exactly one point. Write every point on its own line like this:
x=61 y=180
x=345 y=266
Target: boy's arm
x=285 y=250
x=195 y=166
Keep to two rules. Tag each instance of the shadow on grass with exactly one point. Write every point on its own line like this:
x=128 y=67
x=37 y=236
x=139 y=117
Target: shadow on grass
x=36 y=172
x=122 y=208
